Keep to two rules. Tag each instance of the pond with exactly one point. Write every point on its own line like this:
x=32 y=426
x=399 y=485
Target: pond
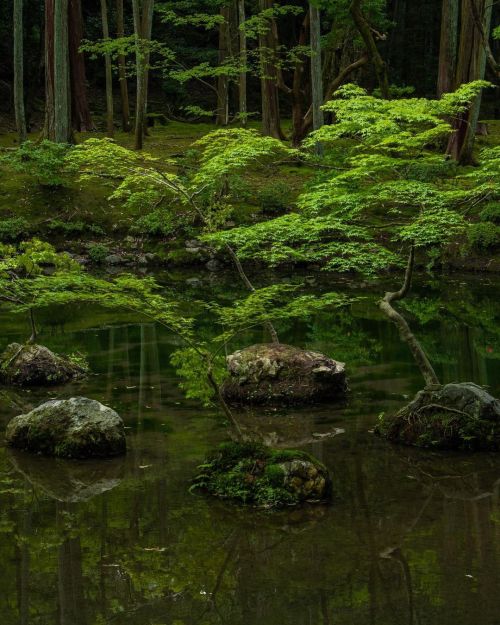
x=411 y=537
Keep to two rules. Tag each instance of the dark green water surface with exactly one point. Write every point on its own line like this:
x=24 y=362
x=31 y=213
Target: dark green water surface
x=411 y=537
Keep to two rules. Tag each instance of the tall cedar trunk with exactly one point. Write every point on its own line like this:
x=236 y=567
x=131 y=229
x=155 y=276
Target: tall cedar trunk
x=298 y=87
x=316 y=67
x=143 y=21
x=19 y=70
x=222 y=117
x=366 y=33
x=120 y=32
x=49 y=125
x=271 y=120
x=110 y=127
x=62 y=102
x=242 y=86
x=471 y=65
x=448 y=46
x=80 y=112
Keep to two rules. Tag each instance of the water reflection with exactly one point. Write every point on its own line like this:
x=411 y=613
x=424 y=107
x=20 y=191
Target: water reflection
x=411 y=536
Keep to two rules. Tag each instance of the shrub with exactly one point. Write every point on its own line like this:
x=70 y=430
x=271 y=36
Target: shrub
x=491 y=212
x=483 y=236
x=98 y=252
x=274 y=198
x=13 y=229
x=74 y=227
x=44 y=161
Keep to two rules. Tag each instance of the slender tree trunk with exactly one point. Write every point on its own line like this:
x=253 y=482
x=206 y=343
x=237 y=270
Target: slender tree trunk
x=62 y=103
x=143 y=21
x=242 y=87
x=50 y=114
x=271 y=121
x=120 y=33
x=19 y=71
x=316 y=67
x=407 y=335
x=110 y=126
x=222 y=117
x=471 y=65
x=80 y=112
x=298 y=91
x=448 y=46
x=366 y=33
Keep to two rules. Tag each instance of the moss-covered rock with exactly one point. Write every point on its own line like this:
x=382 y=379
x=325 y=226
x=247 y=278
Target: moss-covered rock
x=35 y=365
x=71 y=428
x=277 y=373
x=455 y=416
x=253 y=474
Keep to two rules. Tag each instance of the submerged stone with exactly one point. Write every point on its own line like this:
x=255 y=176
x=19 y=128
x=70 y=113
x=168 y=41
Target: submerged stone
x=253 y=474
x=35 y=365
x=70 y=428
x=455 y=416
x=277 y=373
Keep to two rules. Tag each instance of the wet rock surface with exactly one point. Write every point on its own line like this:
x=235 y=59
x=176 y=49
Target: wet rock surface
x=455 y=416
x=35 y=365
x=277 y=373
x=252 y=474
x=71 y=428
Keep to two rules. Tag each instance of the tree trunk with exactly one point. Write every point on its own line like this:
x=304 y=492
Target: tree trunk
x=19 y=71
x=143 y=21
x=110 y=126
x=242 y=87
x=62 y=105
x=471 y=65
x=120 y=33
x=316 y=67
x=80 y=112
x=298 y=90
x=49 y=125
x=271 y=120
x=406 y=334
x=366 y=33
x=448 y=47
x=222 y=116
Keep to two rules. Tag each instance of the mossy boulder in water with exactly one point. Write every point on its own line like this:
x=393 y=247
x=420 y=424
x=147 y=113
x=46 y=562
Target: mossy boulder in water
x=276 y=373
x=455 y=416
x=71 y=428
x=35 y=365
x=253 y=474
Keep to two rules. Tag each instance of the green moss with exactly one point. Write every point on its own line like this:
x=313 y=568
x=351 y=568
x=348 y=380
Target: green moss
x=251 y=474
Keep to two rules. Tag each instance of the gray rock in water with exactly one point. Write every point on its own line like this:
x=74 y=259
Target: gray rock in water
x=71 y=428
x=277 y=373
x=455 y=416
x=35 y=365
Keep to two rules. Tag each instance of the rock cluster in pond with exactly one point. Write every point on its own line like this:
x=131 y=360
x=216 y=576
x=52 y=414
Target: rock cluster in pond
x=253 y=474
x=35 y=365
x=455 y=416
x=277 y=373
x=70 y=428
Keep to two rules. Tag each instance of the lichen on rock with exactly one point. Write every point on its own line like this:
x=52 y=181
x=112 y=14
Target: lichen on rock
x=35 y=365
x=253 y=474
x=71 y=428
x=455 y=416
x=278 y=373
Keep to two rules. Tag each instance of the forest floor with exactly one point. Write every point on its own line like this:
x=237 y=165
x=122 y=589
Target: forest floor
x=80 y=218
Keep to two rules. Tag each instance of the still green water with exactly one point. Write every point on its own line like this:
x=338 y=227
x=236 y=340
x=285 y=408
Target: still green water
x=411 y=536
